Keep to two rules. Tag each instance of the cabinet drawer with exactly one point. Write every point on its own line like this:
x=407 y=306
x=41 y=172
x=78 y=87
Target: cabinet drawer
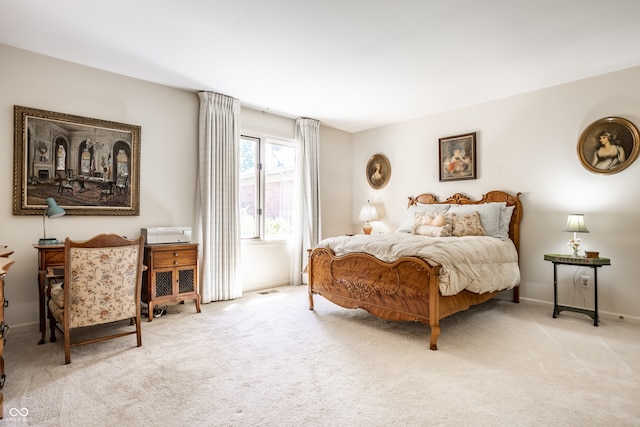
x=174 y=258
x=54 y=257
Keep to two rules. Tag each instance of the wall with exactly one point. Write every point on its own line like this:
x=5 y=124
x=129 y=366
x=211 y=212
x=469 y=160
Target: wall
x=336 y=171
x=527 y=144
x=168 y=169
x=168 y=118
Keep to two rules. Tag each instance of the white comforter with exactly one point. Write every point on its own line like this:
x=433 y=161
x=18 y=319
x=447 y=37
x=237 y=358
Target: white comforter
x=478 y=264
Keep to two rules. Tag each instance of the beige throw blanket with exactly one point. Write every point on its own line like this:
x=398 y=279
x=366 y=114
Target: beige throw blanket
x=477 y=264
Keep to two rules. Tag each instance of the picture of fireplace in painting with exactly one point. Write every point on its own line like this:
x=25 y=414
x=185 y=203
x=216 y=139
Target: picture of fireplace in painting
x=88 y=166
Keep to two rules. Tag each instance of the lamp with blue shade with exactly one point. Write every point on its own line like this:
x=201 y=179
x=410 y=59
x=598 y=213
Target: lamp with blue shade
x=53 y=211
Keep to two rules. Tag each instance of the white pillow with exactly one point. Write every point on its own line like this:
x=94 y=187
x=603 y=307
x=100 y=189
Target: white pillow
x=489 y=215
x=505 y=219
x=409 y=217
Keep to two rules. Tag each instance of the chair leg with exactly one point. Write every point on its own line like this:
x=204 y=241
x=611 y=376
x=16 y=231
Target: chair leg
x=138 y=331
x=67 y=346
x=52 y=326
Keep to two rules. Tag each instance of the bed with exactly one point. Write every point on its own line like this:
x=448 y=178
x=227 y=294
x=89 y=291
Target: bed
x=408 y=286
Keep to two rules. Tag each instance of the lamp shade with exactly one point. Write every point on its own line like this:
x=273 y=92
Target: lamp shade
x=575 y=224
x=368 y=213
x=53 y=210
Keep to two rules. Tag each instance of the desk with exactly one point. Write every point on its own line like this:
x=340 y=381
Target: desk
x=594 y=263
x=173 y=276
x=49 y=257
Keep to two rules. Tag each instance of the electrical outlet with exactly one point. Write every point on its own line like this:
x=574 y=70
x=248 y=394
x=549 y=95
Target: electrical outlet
x=585 y=281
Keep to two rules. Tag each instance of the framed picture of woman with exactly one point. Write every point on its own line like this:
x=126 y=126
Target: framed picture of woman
x=378 y=171
x=608 y=145
x=458 y=157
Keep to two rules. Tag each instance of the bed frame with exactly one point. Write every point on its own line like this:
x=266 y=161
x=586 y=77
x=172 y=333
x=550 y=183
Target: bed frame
x=407 y=289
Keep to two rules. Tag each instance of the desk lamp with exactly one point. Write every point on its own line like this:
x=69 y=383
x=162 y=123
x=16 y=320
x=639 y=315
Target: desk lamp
x=53 y=211
x=368 y=213
x=575 y=223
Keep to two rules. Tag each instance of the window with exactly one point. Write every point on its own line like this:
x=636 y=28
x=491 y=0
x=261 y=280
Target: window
x=267 y=171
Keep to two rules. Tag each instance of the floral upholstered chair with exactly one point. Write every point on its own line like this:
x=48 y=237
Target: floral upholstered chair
x=102 y=280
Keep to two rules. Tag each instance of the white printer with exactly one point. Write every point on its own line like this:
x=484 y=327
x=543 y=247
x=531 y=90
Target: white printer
x=158 y=235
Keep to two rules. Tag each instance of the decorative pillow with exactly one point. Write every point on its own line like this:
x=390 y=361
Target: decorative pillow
x=407 y=224
x=431 y=231
x=423 y=218
x=432 y=224
x=441 y=220
x=490 y=214
x=467 y=225
x=431 y=218
x=505 y=219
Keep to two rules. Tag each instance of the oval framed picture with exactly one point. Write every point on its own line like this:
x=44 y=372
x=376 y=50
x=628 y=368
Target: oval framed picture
x=608 y=145
x=378 y=171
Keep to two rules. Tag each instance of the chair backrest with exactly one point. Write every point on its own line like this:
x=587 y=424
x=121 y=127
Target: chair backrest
x=103 y=278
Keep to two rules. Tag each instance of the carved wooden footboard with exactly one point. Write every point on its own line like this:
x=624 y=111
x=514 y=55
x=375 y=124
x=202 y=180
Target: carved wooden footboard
x=407 y=289
x=404 y=290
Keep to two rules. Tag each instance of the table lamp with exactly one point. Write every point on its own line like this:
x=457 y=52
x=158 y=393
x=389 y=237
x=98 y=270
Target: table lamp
x=52 y=211
x=575 y=224
x=368 y=213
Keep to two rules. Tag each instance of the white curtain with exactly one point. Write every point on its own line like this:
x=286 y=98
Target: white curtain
x=307 y=228
x=219 y=143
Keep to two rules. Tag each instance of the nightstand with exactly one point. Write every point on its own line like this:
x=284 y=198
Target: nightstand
x=594 y=263
x=172 y=275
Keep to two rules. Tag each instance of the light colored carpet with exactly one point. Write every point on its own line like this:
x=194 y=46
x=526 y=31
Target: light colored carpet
x=266 y=360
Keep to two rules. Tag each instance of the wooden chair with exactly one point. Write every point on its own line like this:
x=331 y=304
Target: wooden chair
x=64 y=183
x=122 y=183
x=102 y=282
x=106 y=190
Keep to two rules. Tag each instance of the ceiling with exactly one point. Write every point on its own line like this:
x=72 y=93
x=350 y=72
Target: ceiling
x=352 y=64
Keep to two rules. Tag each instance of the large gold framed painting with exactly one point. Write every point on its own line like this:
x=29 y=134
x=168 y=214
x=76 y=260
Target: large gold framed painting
x=89 y=166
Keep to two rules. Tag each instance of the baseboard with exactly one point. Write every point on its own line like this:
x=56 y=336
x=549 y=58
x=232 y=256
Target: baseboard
x=601 y=314
x=25 y=327
x=263 y=287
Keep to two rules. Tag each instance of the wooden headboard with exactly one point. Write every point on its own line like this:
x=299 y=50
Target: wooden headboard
x=490 y=197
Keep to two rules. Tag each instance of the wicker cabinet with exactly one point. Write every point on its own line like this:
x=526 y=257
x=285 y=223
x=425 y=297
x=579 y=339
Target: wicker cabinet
x=171 y=276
